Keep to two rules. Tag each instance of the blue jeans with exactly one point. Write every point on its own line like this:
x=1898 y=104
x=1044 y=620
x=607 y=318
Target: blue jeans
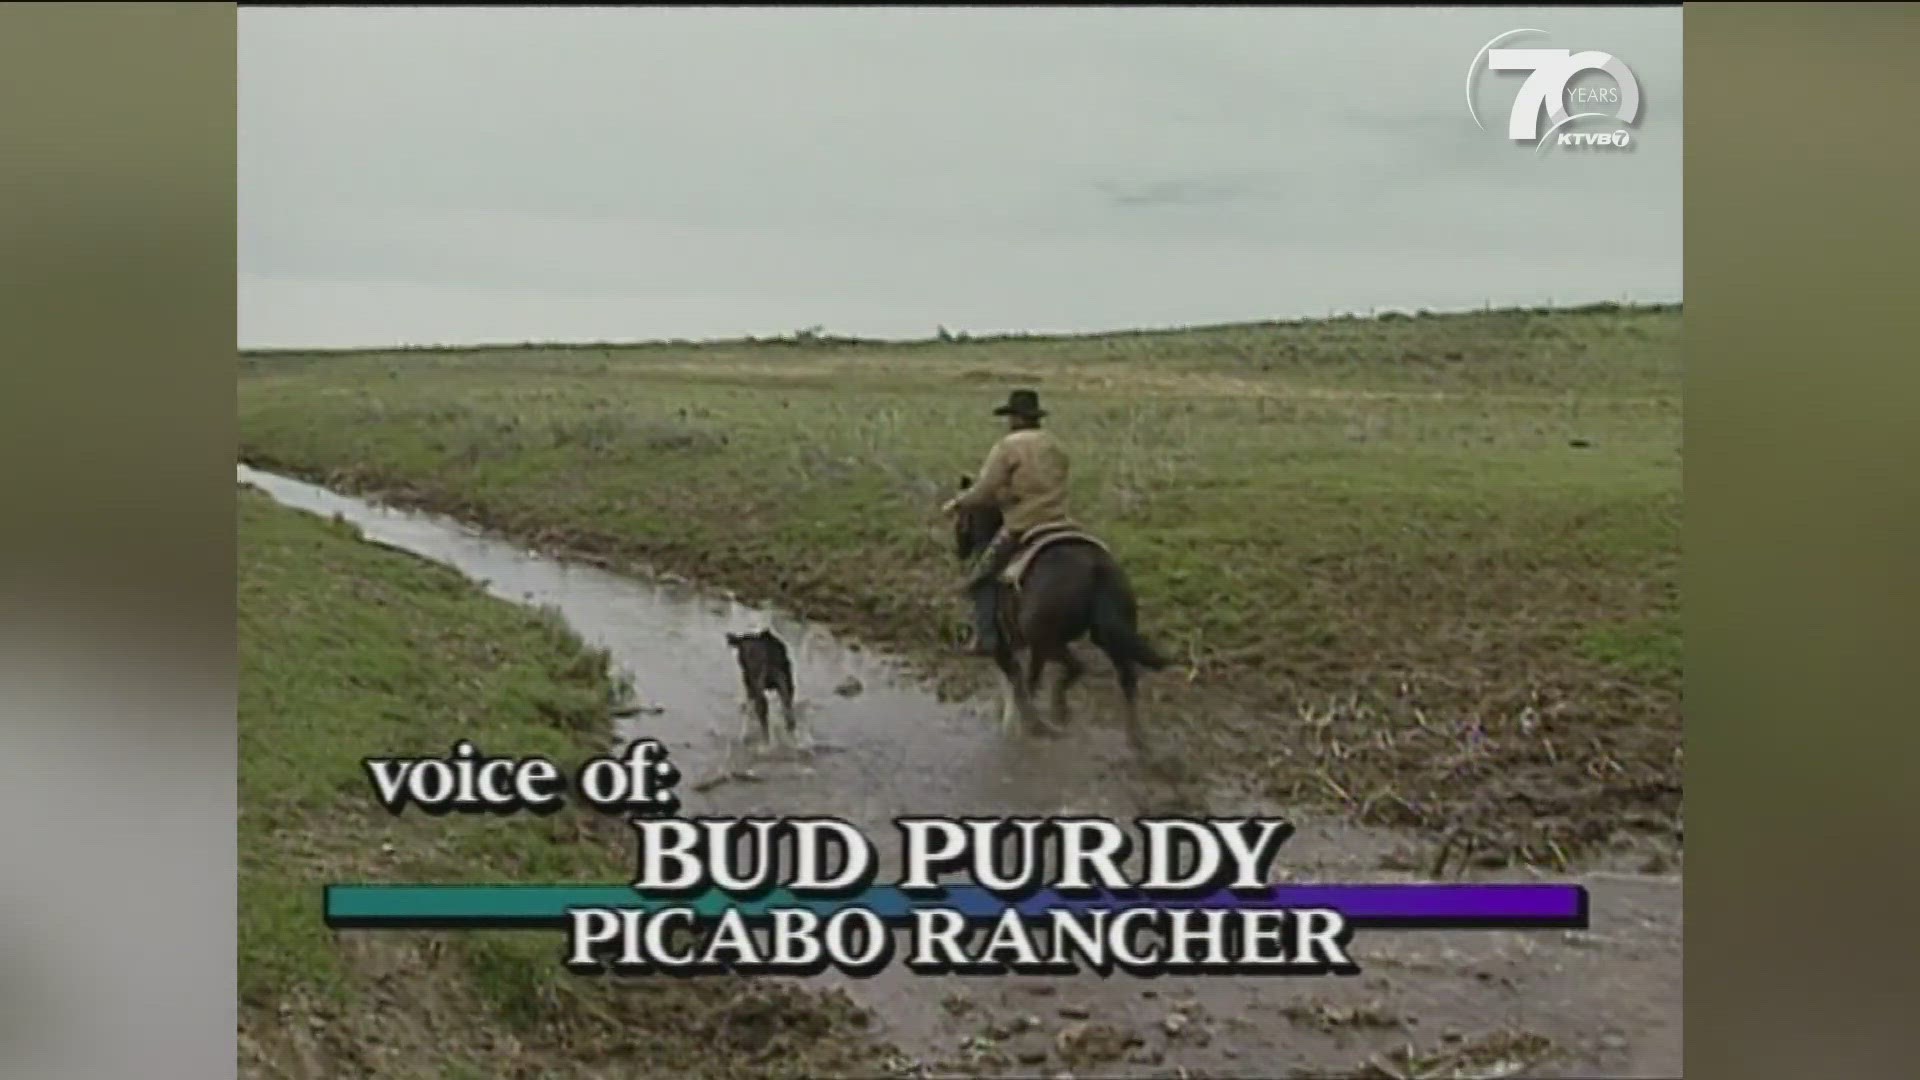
x=983 y=588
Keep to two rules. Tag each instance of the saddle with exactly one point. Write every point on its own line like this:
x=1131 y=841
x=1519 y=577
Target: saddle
x=1041 y=539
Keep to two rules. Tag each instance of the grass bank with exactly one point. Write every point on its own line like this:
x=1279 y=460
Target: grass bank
x=349 y=649
x=1422 y=567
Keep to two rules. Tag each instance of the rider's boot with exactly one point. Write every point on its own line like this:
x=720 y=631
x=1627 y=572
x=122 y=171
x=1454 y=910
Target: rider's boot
x=986 y=625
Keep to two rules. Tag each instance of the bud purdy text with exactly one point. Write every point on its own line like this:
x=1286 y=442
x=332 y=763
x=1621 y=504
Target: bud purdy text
x=1062 y=894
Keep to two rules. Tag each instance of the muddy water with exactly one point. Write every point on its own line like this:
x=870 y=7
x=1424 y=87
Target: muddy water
x=884 y=746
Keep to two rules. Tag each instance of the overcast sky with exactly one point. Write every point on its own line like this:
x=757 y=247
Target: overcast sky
x=411 y=175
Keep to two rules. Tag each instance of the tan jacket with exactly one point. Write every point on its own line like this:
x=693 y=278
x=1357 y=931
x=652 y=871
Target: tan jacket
x=1025 y=474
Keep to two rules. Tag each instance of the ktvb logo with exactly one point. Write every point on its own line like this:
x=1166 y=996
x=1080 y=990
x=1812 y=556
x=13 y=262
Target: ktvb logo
x=1548 y=90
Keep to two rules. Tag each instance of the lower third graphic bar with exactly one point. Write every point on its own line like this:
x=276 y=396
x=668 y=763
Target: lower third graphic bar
x=1518 y=906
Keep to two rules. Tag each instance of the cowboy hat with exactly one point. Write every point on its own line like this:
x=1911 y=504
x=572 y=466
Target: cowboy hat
x=1023 y=403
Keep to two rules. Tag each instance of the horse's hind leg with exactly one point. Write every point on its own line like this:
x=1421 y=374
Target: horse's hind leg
x=1129 y=677
x=1016 y=705
x=1009 y=691
x=1110 y=634
x=1037 y=658
x=1071 y=671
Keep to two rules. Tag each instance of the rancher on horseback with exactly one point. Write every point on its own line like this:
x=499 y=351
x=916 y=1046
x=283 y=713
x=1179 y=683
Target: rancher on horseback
x=1025 y=475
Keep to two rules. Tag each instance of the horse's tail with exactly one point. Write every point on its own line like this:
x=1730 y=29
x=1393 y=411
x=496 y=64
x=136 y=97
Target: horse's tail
x=1114 y=615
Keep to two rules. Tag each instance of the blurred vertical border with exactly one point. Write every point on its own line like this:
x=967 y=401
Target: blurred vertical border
x=1801 y=586
x=117 y=651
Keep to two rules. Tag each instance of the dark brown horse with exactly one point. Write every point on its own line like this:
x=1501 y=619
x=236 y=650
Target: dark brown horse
x=1071 y=589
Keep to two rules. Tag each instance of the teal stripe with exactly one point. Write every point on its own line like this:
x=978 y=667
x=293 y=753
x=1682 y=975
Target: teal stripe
x=524 y=903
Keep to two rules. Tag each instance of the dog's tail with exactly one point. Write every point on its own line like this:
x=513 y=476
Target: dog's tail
x=1114 y=615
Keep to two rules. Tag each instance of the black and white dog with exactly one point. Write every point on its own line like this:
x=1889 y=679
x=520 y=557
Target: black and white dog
x=765 y=667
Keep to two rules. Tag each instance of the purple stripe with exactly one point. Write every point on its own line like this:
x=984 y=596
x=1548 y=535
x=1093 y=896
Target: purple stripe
x=1507 y=903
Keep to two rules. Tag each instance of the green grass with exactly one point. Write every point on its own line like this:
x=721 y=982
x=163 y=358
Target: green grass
x=1650 y=649
x=347 y=650
x=1407 y=564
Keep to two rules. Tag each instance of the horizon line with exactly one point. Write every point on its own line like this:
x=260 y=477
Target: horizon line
x=820 y=336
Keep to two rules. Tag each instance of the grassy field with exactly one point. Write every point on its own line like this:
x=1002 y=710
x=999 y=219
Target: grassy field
x=349 y=649
x=1423 y=567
